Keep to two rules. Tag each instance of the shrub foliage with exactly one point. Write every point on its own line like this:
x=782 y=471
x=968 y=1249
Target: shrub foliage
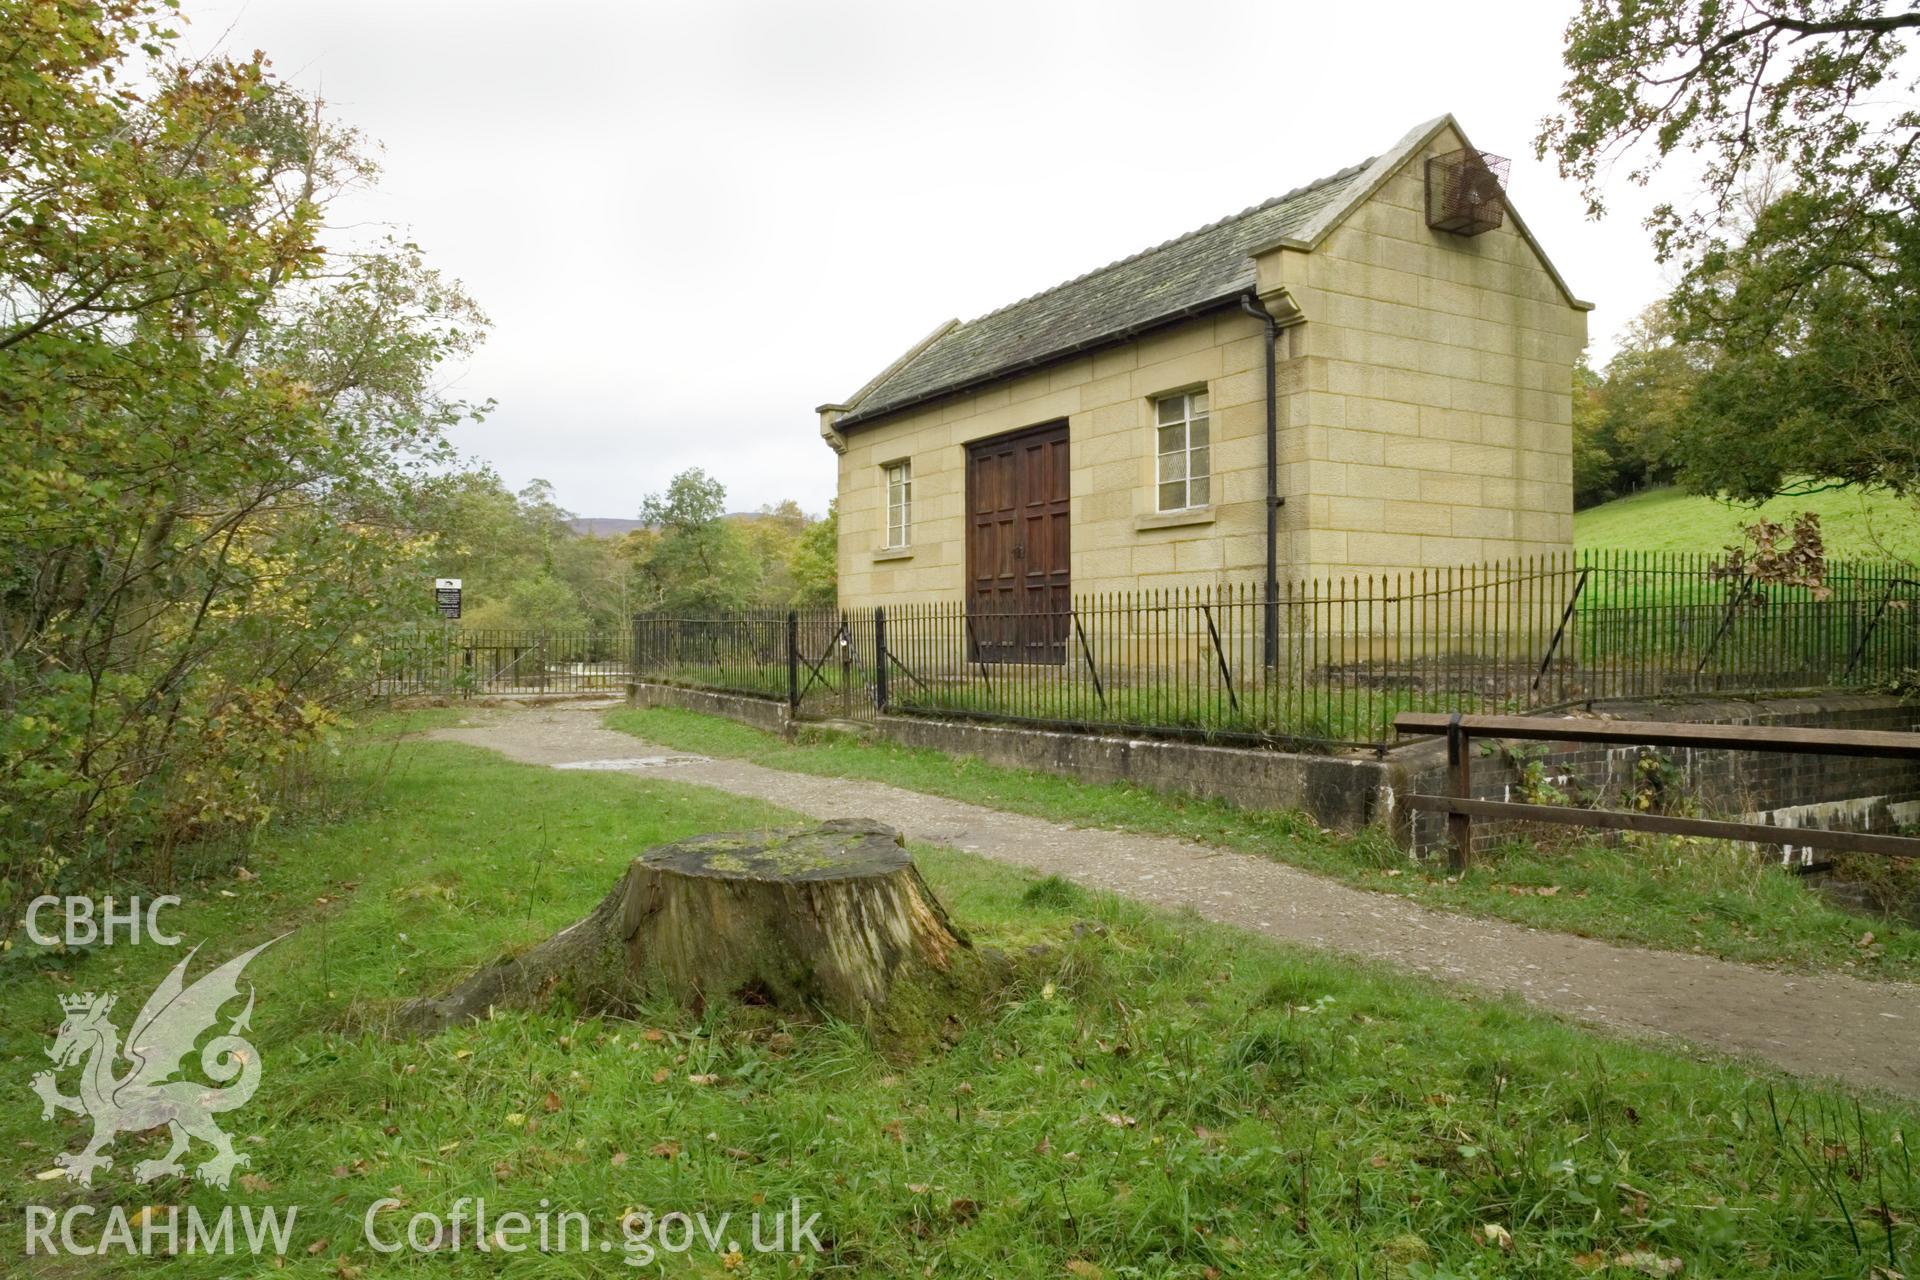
x=214 y=423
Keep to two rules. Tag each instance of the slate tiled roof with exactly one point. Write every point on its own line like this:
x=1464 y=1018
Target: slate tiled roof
x=1198 y=271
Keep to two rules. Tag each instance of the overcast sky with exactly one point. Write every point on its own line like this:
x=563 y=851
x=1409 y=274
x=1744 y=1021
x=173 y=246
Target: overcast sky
x=691 y=223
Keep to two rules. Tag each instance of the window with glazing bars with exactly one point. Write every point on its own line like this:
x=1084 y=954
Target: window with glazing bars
x=1186 y=461
x=899 y=502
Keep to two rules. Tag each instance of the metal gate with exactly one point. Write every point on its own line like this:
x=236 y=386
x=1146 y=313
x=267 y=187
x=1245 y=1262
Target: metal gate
x=833 y=666
x=453 y=661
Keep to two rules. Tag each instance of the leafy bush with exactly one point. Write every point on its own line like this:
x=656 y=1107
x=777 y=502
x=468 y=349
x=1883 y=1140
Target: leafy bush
x=216 y=430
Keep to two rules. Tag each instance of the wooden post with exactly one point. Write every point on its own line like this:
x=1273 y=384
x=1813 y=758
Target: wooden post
x=1460 y=775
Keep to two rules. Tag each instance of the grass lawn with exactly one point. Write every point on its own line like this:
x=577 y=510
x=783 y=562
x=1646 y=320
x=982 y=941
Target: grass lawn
x=1678 y=894
x=1855 y=525
x=1157 y=1098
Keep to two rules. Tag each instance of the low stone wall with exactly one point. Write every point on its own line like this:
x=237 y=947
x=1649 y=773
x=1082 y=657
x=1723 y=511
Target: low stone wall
x=1782 y=788
x=761 y=713
x=1343 y=792
x=1350 y=792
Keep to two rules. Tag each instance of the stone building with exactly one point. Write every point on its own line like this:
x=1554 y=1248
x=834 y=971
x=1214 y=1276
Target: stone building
x=1369 y=373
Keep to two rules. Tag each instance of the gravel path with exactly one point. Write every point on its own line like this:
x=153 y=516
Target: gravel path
x=1865 y=1033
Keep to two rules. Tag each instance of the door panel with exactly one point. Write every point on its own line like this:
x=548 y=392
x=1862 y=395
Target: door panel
x=1018 y=548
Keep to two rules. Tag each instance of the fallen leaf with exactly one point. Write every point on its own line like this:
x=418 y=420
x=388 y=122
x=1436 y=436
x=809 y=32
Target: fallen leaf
x=1497 y=1234
x=1648 y=1263
x=619 y=1159
x=662 y=1076
x=551 y=1102
x=665 y=1150
x=1083 y=1269
x=318 y=1246
x=653 y=1035
x=703 y=1077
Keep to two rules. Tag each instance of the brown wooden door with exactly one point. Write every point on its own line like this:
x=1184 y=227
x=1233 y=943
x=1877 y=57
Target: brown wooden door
x=1019 y=593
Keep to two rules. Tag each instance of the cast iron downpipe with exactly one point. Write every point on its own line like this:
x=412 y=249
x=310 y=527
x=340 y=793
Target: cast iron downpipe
x=1270 y=639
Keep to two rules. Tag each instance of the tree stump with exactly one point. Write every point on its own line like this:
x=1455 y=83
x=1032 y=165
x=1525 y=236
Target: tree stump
x=830 y=916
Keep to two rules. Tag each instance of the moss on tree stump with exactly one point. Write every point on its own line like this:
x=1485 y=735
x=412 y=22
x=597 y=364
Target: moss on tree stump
x=829 y=917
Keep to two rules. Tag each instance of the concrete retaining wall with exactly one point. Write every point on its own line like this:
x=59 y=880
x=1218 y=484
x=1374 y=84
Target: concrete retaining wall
x=761 y=713
x=1349 y=792
x=1343 y=792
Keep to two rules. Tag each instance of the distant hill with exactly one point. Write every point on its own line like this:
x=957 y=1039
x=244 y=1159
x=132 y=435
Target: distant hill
x=1855 y=525
x=614 y=526
x=603 y=526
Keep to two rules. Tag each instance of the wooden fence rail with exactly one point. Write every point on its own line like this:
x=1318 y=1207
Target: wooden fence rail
x=1461 y=808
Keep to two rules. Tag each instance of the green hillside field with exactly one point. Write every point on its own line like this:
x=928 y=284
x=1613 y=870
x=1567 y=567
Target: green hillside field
x=1856 y=526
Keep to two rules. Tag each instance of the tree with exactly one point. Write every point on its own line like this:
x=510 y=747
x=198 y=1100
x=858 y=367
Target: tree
x=814 y=563
x=1650 y=387
x=1632 y=424
x=1596 y=466
x=216 y=428
x=1808 y=298
x=770 y=534
x=540 y=603
x=698 y=563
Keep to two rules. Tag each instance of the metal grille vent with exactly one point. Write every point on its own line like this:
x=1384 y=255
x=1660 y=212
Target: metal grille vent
x=1467 y=192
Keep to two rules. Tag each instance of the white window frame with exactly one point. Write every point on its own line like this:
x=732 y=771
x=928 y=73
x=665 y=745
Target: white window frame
x=896 y=478
x=1183 y=451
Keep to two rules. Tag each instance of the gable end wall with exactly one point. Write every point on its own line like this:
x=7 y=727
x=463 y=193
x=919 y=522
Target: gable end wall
x=1436 y=422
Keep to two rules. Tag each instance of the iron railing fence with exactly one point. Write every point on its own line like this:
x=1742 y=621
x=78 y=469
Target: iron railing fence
x=822 y=661
x=451 y=660
x=1348 y=655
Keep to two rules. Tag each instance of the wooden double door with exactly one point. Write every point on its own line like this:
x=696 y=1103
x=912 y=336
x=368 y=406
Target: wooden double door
x=1019 y=593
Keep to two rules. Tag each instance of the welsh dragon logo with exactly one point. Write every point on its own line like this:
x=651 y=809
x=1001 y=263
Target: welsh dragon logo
x=148 y=1093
